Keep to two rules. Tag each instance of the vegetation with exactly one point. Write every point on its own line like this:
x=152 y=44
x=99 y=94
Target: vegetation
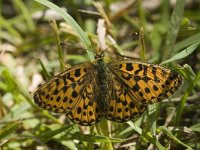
x=30 y=51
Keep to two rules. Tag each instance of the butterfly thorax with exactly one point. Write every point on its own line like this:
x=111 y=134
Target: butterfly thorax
x=103 y=84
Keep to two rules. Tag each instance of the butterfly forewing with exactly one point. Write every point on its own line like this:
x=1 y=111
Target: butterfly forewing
x=59 y=94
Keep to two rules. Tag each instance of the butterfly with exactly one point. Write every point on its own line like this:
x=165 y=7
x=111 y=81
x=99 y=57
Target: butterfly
x=117 y=89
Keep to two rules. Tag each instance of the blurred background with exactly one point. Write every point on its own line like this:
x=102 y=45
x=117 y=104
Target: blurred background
x=149 y=30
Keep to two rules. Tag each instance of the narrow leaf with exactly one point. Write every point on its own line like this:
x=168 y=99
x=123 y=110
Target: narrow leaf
x=183 y=53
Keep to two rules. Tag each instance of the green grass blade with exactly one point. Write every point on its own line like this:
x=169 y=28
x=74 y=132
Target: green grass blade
x=46 y=136
x=175 y=22
x=85 y=40
x=196 y=127
x=187 y=42
x=136 y=128
x=14 y=86
x=142 y=45
x=152 y=139
x=5 y=24
x=183 y=53
x=9 y=129
x=46 y=73
x=95 y=138
x=60 y=52
x=170 y=135
x=189 y=89
x=26 y=14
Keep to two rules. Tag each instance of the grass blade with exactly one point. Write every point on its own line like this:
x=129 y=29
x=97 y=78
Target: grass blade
x=173 y=29
x=183 y=53
x=9 y=129
x=85 y=40
x=168 y=133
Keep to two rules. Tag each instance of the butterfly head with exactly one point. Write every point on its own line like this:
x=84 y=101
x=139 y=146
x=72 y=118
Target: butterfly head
x=100 y=55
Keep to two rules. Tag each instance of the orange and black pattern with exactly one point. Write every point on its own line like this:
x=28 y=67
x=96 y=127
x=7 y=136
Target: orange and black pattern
x=118 y=90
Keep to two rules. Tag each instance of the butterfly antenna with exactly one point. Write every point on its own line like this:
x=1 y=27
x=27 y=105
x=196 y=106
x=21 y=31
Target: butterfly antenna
x=134 y=36
x=110 y=46
x=85 y=49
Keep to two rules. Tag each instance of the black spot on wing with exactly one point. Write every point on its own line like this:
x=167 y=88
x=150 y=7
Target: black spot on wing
x=77 y=73
x=129 y=67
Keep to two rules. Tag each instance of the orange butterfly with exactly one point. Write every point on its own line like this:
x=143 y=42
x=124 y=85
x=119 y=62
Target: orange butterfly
x=118 y=90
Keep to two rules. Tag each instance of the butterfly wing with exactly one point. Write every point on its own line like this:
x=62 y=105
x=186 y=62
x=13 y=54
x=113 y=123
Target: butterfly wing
x=87 y=110
x=137 y=84
x=71 y=92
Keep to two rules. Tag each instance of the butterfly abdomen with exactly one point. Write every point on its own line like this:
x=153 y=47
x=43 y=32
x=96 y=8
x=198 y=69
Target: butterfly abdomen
x=102 y=85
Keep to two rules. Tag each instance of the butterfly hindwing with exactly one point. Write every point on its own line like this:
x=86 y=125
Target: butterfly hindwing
x=86 y=111
x=123 y=105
